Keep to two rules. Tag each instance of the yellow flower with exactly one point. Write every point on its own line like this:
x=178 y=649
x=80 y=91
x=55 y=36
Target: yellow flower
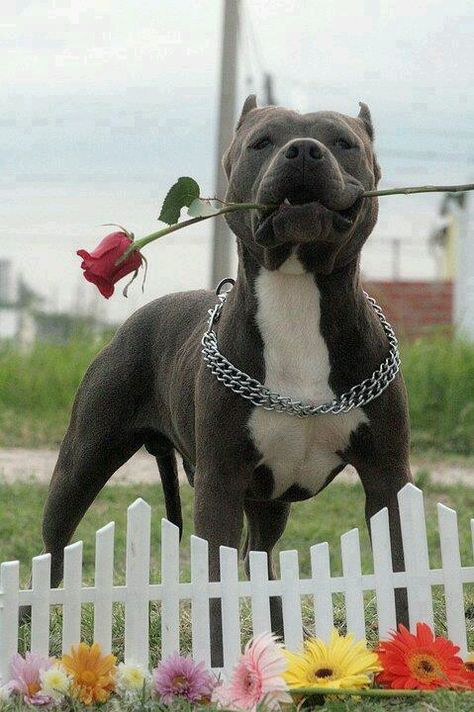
x=55 y=681
x=339 y=663
x=93 y=674
x=131 y=677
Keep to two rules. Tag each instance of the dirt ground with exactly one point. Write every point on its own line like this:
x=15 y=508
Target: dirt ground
x=18 y=464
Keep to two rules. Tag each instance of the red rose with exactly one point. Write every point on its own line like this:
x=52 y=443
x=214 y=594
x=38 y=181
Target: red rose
x=100 y=266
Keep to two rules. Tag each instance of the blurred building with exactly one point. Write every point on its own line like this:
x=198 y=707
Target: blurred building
x=415 y=308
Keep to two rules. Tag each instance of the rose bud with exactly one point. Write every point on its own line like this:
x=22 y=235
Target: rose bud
x=100 y=266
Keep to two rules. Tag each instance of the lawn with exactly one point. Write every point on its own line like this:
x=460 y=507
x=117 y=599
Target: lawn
x=325 y=518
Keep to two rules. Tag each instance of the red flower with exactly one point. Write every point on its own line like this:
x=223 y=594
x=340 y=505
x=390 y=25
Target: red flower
x=422 y=661
x=100 y=266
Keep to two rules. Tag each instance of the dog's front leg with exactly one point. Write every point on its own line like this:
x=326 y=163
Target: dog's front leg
x=218 y=517
x=381 y=486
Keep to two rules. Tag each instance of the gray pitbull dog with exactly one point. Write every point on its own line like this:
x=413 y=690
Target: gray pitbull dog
x=296 y=320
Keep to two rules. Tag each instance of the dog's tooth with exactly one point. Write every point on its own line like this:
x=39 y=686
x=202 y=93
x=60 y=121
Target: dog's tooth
x=286 y=202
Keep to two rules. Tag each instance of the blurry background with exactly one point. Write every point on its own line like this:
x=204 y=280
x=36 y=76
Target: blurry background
x=105 y=104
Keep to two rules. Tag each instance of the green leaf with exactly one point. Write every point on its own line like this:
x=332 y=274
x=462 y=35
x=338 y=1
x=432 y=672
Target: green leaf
x=201 y=208
x=181 y=194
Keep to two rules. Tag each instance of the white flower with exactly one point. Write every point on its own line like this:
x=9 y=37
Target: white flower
x=131 y=677
x=6 y=691
x=55 y=681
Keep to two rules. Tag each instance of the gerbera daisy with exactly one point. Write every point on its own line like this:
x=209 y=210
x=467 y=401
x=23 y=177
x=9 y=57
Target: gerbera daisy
x=93 y=674
x=26 y=677
x=469 y=670
x=257 y=678
x=340 y=663
x=181 y=677
x=419 y=661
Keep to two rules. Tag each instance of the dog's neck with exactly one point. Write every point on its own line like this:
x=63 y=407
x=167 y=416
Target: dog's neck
x=340 y=291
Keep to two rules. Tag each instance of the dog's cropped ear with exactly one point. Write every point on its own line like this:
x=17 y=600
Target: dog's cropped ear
x=365 y=117
x=249 y=104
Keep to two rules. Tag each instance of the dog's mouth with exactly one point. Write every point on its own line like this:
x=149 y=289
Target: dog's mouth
x=342 y=220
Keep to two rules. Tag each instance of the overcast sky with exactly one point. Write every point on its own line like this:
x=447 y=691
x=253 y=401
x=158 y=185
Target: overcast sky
x=105 y=103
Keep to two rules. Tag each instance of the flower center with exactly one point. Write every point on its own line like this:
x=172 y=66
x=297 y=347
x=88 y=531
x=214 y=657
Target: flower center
x=469 y=665
x=252 y=682
x=323 y=672
x=88 y=677
x=180 y=682
x=33 y=688
x=425 y=667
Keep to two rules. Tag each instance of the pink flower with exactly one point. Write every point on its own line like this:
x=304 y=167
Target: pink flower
x=257 y=678
x=25 y=673
x=181 y=677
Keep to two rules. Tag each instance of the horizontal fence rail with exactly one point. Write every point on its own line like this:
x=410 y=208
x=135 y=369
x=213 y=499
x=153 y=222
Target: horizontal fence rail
x=137 y=593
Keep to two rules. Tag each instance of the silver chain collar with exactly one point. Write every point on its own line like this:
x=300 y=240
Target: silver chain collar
x=255 y=392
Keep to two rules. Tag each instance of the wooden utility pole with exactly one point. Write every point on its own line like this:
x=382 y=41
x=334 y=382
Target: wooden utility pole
x=268 y=89
x=222 y=237
x=396 y=259
x=464 y=277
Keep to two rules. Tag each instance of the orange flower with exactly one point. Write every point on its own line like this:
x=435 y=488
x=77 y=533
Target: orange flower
x=93 y=674
x=422 y=661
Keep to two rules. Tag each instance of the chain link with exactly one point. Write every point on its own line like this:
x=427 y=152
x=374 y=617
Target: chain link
x=255 y=392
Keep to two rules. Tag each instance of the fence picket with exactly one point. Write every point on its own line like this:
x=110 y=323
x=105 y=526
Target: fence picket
x=200 y=600
x=138 y=579
x=170 y=583
x=261 y=619
x=230 y=606
x=9 y=595
x=322 y=596
x=453 y=587
x=415 y=548
x=104 y=582
x=72 y=595
x=353 y=591
x=383 y=573
x=40 y=583
x=291 y=600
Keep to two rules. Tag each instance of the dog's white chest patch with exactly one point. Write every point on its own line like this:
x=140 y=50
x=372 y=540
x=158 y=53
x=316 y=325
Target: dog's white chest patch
x=299 y=451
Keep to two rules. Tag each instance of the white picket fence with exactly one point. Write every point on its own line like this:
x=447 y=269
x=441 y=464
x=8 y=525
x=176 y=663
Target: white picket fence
x=138 y=592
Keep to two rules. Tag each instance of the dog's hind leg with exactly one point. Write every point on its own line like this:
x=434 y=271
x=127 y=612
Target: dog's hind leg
x=165 y=455
x=82 y=470
x=102 y=435
x=266 y=521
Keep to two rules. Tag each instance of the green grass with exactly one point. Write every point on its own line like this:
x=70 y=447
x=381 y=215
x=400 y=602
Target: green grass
x=37 y=391
x=439 y=374
x=438 y=702
x=324 y=518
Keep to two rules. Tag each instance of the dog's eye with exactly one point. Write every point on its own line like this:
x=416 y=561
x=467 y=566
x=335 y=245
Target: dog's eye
x=261 y=143
x=342 y=143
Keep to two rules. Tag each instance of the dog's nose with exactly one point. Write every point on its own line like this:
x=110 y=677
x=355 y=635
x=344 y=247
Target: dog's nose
x=304 y=149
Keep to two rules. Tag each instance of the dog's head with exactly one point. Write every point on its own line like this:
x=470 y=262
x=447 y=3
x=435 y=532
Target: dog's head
x=313 y=169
